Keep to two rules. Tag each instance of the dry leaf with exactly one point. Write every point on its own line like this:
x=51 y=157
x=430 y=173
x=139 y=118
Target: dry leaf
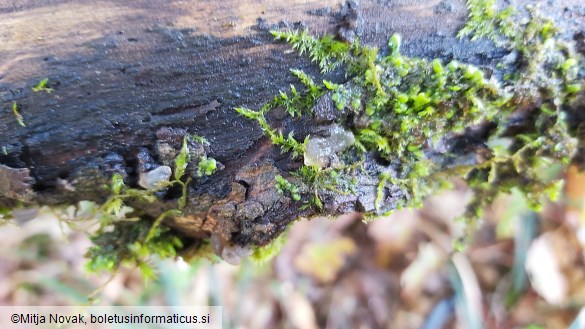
x=430 y=257
x=544 y=271
x=322 y=260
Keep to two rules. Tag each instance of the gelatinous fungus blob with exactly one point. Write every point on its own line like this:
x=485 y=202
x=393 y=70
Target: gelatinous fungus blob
x=320 y=149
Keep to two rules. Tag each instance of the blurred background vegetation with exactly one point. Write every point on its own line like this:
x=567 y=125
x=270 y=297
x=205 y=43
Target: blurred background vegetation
x=519 y=270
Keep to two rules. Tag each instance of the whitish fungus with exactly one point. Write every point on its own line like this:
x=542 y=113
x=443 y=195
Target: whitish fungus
x=234 y=254
x=155 y=179
x=320 y=150
x=230 y=253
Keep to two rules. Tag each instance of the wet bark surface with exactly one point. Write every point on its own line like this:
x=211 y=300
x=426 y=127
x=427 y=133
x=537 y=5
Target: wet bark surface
x=127 y=78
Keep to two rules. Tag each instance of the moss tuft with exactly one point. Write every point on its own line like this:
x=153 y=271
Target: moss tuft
x=404 y=108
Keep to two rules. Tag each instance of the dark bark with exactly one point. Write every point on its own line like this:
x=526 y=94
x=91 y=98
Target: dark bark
x=128 y=74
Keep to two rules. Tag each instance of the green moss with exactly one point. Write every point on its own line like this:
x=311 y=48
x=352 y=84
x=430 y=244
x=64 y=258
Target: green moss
x=485 y=21
x=17 y=114
x=199 y=139
x=296 y=101
x=43 y=85
x=412 y=104
x=283 y=186
x=340 y=181
x=264 y=254
x=288 y=144
x=122 y=240
x=405 y=108
x=327 y=52
x=127 y=244
x=206 y=166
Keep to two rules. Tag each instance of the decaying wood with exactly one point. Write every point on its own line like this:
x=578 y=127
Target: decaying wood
x=126 y=75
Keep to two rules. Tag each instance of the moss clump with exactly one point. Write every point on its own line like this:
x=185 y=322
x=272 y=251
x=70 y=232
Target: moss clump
x=264 y=254
x=288 y=144
x=127 y=240
x=486 y=22
x=43 y=85
x=132 y=244
x=121 y=239
x=403 y=110
x=545 y=79
x=17 y=114
x=283 y=186
x=206 y=166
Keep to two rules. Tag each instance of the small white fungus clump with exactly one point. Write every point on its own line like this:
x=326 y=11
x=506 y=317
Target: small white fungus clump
x=233 y=255
x=230 y=253
x=320 y=150
x=155 y=179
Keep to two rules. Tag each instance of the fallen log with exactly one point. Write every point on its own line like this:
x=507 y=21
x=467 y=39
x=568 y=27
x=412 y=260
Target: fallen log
x=126 y=83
